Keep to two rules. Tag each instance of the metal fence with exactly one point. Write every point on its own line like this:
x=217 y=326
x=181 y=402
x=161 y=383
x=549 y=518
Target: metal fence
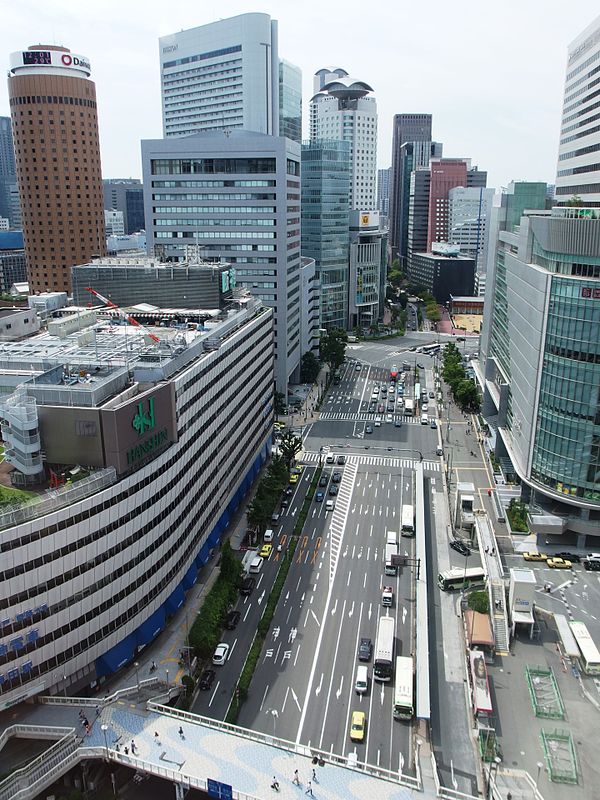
x=561 y=758
x=544 y=692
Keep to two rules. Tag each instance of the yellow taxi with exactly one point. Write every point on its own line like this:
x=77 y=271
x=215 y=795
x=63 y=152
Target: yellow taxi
x=294 y=477
x=535 y=557
x=558 y=563
x=297 y=468
x=278 y=426
x=266 y=550
x=357 y=726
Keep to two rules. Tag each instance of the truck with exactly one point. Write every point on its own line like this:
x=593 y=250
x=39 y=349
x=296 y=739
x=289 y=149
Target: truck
x=408 y=520
x=409 y=407
x=391 y=550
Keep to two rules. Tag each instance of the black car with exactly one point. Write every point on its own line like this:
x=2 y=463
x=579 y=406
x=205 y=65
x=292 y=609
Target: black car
x=369 y=429
x=372 y=407
x=285 y=503
x=460 y=547
x=323 y=480
x=206 y=679
x=288 y=491
x=572 y=557
x=319 y=497
x=232 y=620
x=336 y=477
x=341 y=459
x=420 y=366
x=591 y=564
x=365 y=650
x=248 y=585
x=333 y=490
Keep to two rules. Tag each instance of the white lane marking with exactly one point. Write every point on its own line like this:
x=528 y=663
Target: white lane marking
x=318 y=689
x=296 y=699
x=297 y=654
x=214 y=693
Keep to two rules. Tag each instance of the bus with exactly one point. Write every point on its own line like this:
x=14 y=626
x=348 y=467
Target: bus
x=590 y=657
x=408 y=520
x=417 y=392
x=458 y=578
x=391 y=549
x=404 y=682
x=383 y=664
x=394 y=373
x=409 y=407
x=430 y=349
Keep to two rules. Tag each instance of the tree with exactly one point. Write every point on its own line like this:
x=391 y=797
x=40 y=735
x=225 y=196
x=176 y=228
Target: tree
x=466 y=394
x=479 y=601
x=333 y=347
x=258 y=512
x=290 y=445
x=575 y=201
x=279 y=403
x=309 y=368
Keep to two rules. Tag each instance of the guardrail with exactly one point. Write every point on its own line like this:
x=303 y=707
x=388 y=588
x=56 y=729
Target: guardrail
x=100 y=702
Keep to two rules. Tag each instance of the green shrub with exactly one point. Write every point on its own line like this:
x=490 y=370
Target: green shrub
x=479 y=601
x=517 y=516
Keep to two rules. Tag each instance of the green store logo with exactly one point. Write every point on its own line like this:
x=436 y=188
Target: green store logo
x=144 y=420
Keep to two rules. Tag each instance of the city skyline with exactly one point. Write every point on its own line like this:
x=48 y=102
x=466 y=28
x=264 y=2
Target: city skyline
x=515 y=93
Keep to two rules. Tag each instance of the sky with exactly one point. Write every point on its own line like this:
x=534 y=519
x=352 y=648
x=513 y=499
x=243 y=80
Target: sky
x=492 y=74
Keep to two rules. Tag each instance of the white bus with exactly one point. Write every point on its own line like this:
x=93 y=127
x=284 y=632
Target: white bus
x=391 y=549
x=383 y=663
x=457 y=578
x=430 y=349
x=408 y=520
x=404 y=703
x=590 y=657
x=409 y=407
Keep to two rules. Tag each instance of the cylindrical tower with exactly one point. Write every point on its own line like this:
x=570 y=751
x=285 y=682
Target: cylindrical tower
x=57 y=153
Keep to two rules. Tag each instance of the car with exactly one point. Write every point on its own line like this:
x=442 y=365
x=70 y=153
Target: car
x=424 y=408
x=357 y=368
x=460 y=547
x=247 y=585
x=288 y=491
x=266 y=550
x=323 y=480
x=220 y=654
x=369 y=429
x=232 y=619
x=380 y=408
x=400 y=401
x=439 y=450
x=207 y=679
x=378 y=422
x=433 y=424
x=460 y=338
x=431 y=395
x=319 y=497
x=333 y=490
x=384 y=390
x=341 y=459
x=397 y=423
x=365 y=649
x=591 y=564
x=389 y=418
x=285 y=503
x=275 y=517
x=531 y=556
x=558 y=563
x=376 y=389
x=330 y=458
x=336 y=477
x=297 y=469
x=372 y=407
x=572 y=557
x=294 y=478
x=412 y=349
x=357 y=726
x=387 y=596
x=329 y=506
x=420 y=366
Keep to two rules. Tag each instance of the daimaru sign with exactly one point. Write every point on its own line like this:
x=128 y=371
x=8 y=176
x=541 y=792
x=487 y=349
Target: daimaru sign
x=46 y=60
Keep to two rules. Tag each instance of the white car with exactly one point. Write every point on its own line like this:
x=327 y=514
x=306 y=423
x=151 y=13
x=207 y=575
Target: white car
x=389 y=418
x=400 y=401
x=378 y=422
x=425 y=408
x=220 y=654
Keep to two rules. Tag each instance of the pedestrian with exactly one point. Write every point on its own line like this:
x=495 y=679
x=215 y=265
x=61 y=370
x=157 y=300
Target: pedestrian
x=181 y=731
x=97 y=711
x=133 y=747
x=314 y=775
x=493 y=551
x=80 y=713
x=126 y=751
x=296 y=778
x=309 y=789
x=487 y=549
x=118 y=747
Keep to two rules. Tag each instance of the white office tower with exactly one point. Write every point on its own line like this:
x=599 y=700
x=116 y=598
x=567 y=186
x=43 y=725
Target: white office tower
x=228 y=75
x=344 y=109
x=469 y=211
x=578 y=171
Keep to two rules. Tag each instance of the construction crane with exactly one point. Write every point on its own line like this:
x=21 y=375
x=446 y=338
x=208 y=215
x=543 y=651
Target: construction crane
x=121 y=313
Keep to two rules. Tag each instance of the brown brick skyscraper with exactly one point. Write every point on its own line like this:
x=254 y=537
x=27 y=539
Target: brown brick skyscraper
x=57 y=155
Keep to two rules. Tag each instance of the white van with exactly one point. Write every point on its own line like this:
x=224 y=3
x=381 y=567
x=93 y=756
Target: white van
x=362 y=680
x=268 y=535
x=424 y=419
x=329 y=505
x=256 y=564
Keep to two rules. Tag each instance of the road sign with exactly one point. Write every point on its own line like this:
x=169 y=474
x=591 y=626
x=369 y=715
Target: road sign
x=217 y=789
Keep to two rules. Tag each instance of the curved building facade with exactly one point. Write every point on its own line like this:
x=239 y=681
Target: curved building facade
x=57 y=154
x=169 y=437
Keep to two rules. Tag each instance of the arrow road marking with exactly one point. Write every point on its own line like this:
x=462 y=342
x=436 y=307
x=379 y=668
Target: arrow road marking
x=318 y=689
x=339 y=691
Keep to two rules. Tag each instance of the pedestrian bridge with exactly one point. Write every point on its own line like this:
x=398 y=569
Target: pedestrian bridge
x=206 y=751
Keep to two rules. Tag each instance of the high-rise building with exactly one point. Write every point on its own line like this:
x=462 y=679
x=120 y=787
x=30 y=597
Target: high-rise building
x=8 y=173
x=446 y=174
x=411 y=148
x=418 y=213
x=125 y=195
x=228 y=75
x=541 y=367
x=383 y=191
x=578 y=171
x=368 y=259
x=345 y=109
x=469 y=221
x=290 y=101
x=57 y=153
x=233 y=196
x=114 y=223
x=325 y=223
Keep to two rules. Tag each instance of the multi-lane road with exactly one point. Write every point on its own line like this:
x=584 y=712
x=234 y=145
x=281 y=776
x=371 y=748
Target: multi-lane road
x=303 y=688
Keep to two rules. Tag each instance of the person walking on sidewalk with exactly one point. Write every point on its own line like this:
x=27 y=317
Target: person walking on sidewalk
x=309 y=789
x=296 y=778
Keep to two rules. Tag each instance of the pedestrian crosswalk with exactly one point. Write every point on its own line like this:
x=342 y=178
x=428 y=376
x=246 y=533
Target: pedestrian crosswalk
x=375 y=461
x=368 y=418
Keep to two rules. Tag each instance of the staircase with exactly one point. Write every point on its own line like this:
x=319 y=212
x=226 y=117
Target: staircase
x=499 y=619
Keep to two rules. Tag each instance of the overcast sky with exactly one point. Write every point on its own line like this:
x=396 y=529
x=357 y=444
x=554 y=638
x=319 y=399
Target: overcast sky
x=492 y=74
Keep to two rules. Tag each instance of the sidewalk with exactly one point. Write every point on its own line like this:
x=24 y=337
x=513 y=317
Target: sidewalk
x=311 y=395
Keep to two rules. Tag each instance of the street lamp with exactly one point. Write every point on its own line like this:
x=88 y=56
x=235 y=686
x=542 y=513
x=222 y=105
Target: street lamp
x=539 y=769
x=167 y=672
x=275 y=716
x=65 y=685
x=104 y=728
x=137 y=675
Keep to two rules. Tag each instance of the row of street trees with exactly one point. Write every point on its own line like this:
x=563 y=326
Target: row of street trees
x=270 y=487
x=464 y=390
